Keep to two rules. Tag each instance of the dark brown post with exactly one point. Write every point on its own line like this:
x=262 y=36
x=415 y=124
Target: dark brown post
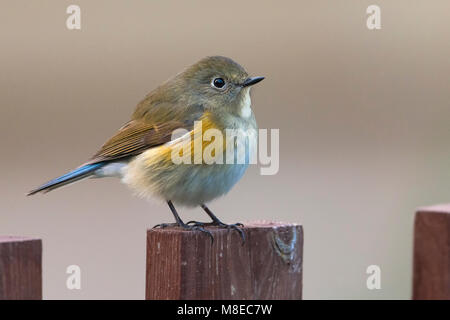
x=20 y=268
x=432 y=253
x=186 y=265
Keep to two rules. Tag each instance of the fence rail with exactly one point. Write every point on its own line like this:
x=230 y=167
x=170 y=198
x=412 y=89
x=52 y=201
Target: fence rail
x=269 y=265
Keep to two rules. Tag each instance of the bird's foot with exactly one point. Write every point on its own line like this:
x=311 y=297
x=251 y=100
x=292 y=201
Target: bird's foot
x=186 y=226
x=235 y=226
x=165 y=225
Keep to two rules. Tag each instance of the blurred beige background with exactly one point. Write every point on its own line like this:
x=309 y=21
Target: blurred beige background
x=363 y=118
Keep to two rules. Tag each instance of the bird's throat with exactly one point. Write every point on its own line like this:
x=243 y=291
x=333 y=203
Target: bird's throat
x=245 y=108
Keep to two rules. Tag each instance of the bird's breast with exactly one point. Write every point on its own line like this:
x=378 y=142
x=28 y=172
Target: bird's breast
x=193 y=179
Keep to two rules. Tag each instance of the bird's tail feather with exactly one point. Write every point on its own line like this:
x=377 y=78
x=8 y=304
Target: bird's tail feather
x=70 y=177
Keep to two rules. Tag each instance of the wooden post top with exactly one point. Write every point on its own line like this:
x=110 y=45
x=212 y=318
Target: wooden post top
x=257 y=224
x=439 y=208
x=4 y=239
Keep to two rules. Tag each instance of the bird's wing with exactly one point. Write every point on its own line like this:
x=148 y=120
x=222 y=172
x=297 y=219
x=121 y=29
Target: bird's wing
x=134 y=138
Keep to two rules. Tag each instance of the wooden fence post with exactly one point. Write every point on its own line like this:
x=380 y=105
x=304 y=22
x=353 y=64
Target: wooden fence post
x=431 y=279
x=20 y=268
x=186 y=265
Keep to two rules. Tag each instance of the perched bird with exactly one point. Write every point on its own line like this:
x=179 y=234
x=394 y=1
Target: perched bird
x=214 y=92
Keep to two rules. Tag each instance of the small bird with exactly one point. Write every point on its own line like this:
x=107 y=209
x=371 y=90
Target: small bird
x=215 y=92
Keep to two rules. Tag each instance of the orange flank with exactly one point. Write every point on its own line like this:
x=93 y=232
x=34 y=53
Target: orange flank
x=201 y=138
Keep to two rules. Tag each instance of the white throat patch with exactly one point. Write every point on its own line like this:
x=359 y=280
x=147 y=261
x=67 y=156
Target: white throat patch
x=246 y=106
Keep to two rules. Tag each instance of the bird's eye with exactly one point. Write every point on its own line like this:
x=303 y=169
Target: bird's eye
x=218 y=83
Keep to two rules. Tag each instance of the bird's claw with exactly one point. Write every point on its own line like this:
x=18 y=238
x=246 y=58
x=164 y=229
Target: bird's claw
x=200 y=228
x=198 y=223
x=165 y=225
x=236 y=226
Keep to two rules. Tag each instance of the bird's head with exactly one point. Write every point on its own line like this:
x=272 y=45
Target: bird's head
x=216 y=83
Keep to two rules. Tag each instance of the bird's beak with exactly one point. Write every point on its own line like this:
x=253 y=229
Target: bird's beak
x=251 y=81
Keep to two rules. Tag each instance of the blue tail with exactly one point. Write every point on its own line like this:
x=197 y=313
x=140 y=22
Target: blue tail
x=75 y=175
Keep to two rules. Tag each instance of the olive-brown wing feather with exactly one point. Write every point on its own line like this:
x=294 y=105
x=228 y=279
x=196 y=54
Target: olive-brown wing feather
x=134 y=138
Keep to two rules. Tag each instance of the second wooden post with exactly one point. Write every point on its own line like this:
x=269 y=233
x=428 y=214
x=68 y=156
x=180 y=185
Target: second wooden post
x=431 y=273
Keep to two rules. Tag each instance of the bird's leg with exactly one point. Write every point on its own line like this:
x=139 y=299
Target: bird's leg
x=216 y=222
x=180 y=223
